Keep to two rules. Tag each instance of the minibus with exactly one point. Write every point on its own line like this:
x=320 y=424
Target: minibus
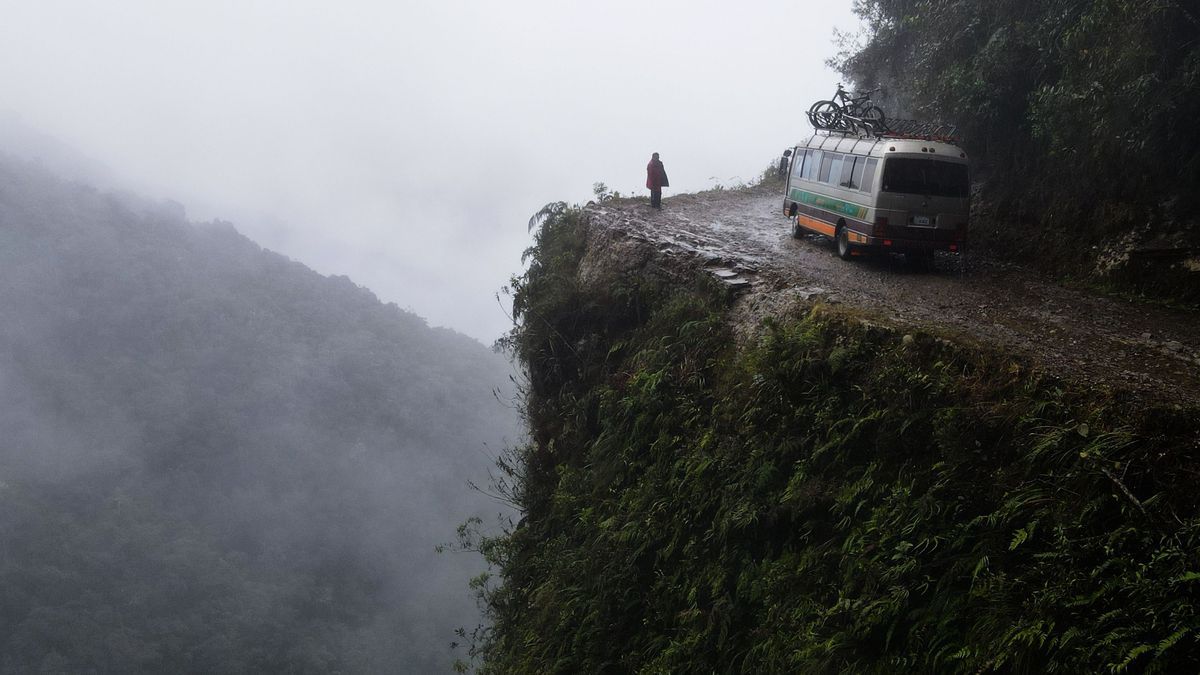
x=880 y=194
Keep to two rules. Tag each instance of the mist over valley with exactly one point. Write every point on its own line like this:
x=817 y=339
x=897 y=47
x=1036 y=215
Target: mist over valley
x=213 y=459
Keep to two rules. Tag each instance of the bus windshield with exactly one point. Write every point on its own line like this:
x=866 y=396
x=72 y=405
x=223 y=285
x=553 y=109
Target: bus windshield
x=929 y=177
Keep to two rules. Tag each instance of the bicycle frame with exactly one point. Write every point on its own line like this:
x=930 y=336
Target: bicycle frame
x=854 y=105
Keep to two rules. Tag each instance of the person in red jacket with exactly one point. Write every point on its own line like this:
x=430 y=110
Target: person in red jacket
x=656 y=180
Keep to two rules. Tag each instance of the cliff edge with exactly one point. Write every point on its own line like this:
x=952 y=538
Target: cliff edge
x=740 y=463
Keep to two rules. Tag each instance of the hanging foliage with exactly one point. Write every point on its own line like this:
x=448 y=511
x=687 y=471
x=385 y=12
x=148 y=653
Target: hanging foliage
x=1081 y=116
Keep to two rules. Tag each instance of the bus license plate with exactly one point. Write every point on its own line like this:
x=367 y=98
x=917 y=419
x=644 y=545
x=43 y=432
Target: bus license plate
x=920 y=220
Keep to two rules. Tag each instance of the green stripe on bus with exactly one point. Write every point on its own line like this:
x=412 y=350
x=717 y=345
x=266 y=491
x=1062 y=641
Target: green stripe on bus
x=829 y=204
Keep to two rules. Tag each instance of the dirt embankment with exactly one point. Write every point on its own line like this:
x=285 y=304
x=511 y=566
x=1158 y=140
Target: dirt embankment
x=742 y=237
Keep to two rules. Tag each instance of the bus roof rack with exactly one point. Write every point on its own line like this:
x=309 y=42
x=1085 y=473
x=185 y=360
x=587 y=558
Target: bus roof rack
x=932 y=131
x=888 y=127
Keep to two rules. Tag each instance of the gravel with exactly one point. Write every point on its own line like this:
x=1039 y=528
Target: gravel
x=1150 y=352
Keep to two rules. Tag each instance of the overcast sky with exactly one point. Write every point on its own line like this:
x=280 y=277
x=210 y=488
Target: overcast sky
x=406 y=144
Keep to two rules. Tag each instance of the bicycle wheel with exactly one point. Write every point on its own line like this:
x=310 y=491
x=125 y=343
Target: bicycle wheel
x=824 y=114
x=850 y=124
x=874 y=120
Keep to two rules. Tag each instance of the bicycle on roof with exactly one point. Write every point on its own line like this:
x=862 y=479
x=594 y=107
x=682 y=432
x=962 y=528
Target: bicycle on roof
x=846 y=112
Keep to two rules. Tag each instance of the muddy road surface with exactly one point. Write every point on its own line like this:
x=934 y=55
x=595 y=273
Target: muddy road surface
x=742 y=237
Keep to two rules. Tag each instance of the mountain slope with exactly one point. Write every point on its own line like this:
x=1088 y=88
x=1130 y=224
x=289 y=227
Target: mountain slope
x=239 y=462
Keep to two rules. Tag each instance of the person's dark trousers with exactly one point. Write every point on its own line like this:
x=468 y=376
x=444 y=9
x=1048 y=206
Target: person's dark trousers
x=656 y=198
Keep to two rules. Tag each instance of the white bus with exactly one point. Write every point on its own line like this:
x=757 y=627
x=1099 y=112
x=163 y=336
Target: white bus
x=874 y=194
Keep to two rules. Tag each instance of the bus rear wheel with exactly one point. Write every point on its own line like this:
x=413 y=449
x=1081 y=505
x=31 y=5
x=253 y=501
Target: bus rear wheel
x=842 y=238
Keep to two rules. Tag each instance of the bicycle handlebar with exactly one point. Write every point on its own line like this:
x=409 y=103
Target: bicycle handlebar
x=841 y=92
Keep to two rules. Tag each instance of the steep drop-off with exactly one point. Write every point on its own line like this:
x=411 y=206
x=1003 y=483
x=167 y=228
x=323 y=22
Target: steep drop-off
x=831 y=493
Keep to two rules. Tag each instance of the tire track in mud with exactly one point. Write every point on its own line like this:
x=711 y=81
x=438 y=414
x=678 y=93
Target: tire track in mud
x=1073 y=334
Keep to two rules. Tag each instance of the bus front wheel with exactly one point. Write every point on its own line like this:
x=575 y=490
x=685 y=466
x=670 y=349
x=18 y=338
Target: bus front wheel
x=842 y=237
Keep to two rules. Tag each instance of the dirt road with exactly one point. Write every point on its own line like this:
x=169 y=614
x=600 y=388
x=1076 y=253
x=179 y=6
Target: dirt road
x=1099 y=341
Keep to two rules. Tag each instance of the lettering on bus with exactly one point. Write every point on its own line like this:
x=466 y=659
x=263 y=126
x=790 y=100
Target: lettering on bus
x=829 y=204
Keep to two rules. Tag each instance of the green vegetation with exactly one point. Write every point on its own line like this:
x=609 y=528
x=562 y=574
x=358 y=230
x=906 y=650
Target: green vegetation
x=836 y=497
x=1081 y=118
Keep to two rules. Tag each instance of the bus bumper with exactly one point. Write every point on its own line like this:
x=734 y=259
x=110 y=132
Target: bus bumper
x=920 y=246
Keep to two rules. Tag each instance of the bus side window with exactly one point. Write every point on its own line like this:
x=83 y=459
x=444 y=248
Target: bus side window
x=847 y=177
x=860 y=164
x=831 y=166
x=868 y=179
x=801 y=157
x=814 y=161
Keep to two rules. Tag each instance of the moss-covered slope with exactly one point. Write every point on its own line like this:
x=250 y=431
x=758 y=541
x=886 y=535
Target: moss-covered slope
x=836 y=497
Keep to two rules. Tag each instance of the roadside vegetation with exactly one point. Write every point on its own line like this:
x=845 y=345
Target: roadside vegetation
x=1081 y=118
x=835 y=497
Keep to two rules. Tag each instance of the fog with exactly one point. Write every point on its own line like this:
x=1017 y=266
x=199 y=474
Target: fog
x=244 y=465
x=213 y=459
x=406 y=144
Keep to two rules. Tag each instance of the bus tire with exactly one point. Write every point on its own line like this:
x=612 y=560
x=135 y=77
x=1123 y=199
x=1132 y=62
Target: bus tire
x=797 y=231
x=842 y=238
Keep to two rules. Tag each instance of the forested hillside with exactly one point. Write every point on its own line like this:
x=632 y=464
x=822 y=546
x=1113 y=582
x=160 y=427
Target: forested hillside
x=1081 y=118
x=832 y=491
x=213 y=459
